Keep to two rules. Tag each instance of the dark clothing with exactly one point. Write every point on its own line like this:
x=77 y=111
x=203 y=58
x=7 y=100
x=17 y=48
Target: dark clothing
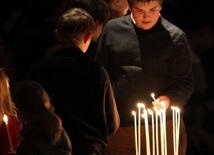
x=141 y=62
x=36 y=144
x=91 y=51
x=82 y=95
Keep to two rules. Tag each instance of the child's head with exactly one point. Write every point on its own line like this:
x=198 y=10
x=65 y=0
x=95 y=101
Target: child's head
x=35 y=112
x=75 y=27
x=30 y=96
x=131 y=2
x=98 y=10
x=145 y=13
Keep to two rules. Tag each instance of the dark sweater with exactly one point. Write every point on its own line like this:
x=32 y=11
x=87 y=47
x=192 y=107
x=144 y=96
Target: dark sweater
x=140 y=62
x=82 y=96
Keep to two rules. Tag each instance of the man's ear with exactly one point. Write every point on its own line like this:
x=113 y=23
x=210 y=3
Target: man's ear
x=87 y=36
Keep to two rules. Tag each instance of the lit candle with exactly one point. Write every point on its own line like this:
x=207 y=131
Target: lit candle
x=173 y=126
x=177 y=128
x=145 y=115
x=153 y=132
x=161 y=133
x=156 y=121
x=153 y=96
x=164 y=127
x=5 y=118
x=135 y=131
x=139 y=105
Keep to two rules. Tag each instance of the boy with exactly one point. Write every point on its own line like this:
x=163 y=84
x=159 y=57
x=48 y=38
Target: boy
x=80 y=90
x=145 y=53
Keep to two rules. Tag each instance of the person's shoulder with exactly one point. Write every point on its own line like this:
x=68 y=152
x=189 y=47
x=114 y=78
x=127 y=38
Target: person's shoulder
x=170 y=26
x=173 y=30
x=118 y=24
x=120 y=20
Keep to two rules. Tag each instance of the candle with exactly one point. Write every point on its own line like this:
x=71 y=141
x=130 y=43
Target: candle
x=177 y=128
x=145 y=115
x=153 y=132
x=156 y=121
x=162 y=137
x=173 y=126
x=164 y=127
x=135 y=131
x=5 y=118
x=139 y=105
x=153 y=96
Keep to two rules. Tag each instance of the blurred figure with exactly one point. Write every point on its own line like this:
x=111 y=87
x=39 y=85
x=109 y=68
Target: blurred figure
x=41 y=129
x=80 y=90
x=7 y=108
x=117 y=8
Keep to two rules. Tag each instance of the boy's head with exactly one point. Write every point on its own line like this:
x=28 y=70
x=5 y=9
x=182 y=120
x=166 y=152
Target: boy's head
x=145 y=13
x=131 y=2
x=75 y=28
x=98 y=9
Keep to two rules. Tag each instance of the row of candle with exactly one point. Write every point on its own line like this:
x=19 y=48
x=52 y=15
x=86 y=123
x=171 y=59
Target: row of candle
x=158 y=117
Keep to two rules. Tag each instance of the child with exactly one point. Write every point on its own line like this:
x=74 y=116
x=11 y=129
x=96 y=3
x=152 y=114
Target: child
x=145 y=53
x=80 y=90
x=7 y=108
x=41 y=129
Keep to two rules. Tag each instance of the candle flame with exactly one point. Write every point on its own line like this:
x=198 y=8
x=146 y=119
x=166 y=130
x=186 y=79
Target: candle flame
x=133 y=113
x=143 y=115
x=153 y=96
x=5 y=118
x=140 y=105
x=150 y=111
x=177 y=109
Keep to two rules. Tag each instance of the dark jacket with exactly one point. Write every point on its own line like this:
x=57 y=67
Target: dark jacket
x=82 y=95
x=141 y=62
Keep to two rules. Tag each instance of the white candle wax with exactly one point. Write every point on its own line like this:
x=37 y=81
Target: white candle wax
x=177 y=129
x=161 y=133
x=156 y=121
x=145 y=115
x=135 y=132
x=153 y=132
x=140 y=106
x=164 y=127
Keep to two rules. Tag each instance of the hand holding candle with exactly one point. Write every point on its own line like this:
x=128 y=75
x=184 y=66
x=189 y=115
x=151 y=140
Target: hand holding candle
x=160 y=101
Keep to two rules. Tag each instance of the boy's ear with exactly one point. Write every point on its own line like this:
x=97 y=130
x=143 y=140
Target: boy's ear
x=58 y=36
x=87 y=36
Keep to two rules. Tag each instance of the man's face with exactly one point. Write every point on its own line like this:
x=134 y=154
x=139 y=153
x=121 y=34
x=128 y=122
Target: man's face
x=146 y=15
